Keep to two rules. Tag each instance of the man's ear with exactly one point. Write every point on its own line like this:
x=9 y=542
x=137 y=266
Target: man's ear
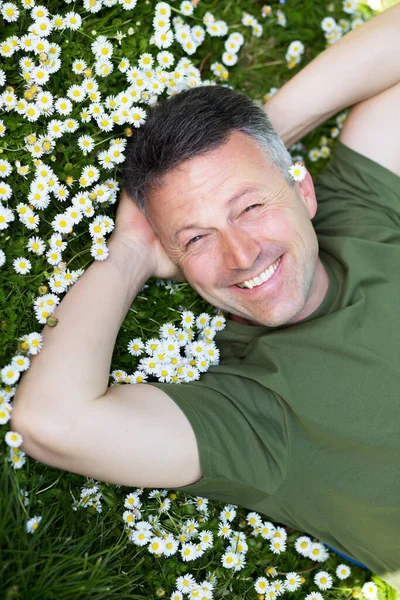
x=307 y=193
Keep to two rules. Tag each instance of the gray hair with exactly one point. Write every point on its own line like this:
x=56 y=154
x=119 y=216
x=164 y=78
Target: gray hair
x=193 y=122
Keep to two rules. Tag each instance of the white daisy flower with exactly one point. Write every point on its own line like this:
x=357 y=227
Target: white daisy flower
x=10 y=12
x=323 y=580
x=13 y=439
x=72 y=20
x=164 y=372
x=17 y=458
x=293 y=581
x=138 y=377
x=136 y=347
x=71 y=125
x=314 y=154
x=137 y=116
x=62 y=223
x=127 y=4
x=22 y=265
x=281 y=18
x=5 y=409
x=152 y=345
x=349 y=6
x=5 y=168
x=92 y=6
x=218 y=322
x=266 y=11
x=10 y=374
x=41 y=27
x=165 y=58
x=186 y=8
x=78 y=66
x=63 y=106
x=257 y=30
x=370 y=590
x=33 y=524
x=76 y=93
x=187 y=318
x=343 y=571
x=229 y=58
x=2 y=256
x=86 y=144
x=298 y=172
x=328 y=24
x=5 y=190
x=314 y=596
x=32 y=112
x=145 y=61
x=99 y=251
x=163 y=9
x=36 y=245
x=123 y=65
x=162 y=39
x=190 y=374
x=148 y=365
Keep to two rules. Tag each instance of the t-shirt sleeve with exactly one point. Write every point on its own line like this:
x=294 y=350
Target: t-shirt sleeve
x=241 y=437
x=357 y=197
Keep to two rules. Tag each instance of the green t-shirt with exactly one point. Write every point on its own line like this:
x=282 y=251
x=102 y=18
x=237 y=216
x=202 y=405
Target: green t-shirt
x=301 y=422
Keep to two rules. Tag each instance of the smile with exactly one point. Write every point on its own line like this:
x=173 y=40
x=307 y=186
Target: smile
x=262 y=277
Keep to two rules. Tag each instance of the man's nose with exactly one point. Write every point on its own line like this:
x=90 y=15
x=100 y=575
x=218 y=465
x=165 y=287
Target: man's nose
x=240 y=249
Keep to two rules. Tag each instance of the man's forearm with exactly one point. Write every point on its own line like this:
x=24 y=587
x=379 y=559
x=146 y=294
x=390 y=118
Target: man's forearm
x=362 y=64
x=74 y=364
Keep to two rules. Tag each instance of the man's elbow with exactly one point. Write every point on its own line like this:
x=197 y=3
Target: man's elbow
x=32 y=428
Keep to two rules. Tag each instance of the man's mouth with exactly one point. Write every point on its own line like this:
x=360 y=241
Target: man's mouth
x=262 y=277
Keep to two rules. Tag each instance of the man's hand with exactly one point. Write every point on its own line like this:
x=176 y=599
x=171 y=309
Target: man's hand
x=133 y=229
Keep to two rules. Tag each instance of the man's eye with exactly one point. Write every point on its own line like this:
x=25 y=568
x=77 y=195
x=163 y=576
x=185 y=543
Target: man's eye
x=251 y=206
x=194 y=239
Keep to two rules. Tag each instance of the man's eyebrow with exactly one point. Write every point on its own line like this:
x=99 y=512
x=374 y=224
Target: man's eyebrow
x=247 y=190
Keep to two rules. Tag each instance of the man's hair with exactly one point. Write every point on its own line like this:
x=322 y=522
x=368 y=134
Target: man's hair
x=190 y=123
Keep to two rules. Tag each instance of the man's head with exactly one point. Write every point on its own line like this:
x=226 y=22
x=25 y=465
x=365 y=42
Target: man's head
x=187 y=169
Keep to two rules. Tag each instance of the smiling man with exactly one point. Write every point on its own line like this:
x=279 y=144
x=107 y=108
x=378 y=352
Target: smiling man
x=241 y=235
x=300 y=420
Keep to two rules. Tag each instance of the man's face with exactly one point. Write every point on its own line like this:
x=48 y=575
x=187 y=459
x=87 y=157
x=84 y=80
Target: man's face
x=219 y=244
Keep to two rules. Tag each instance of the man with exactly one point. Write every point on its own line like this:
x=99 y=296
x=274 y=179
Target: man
x=300 y=420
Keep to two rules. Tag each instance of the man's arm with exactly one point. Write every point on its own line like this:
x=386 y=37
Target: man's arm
x=66 y=414
x=362 y=64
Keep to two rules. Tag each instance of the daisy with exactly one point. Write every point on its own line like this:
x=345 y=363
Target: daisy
x=5 y=168
x=370 y=590
x=148 y=365
x=86 y=144
x=42 y=27
x=128 y=4
x=92 y=6
x=218 y=322
x=343 y=571
x=186 y=8
x=281 y=18
x=187 y=318
x=32 y=112
x=10 y=12
x=314 y=596
x=62 y=223
x=13 y=439
x=55 y=128
x=104 y=122
x=78 y=66
x=76 y=93
x=190 y=374
x=5 y=190
x=36 y=245
x=162 y=39
x=298 y=172
x=71 y=125
x=163 y=9
x=22 y=265
x=229 y=58
x=145 y=61
x=72 y=20
x=123 y=65
x=33 y=524
x=266 y=11
x=17 y=458
x=99 y=252
x=136 y=347
x=165 y=58
x=323 y=580
x=137 y=116
x=349 y=6
x=314 y=154
x=63 y=106
x=292 y=582
x=257 y=30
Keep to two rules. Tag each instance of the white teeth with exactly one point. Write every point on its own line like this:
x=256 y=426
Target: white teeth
x=262 y=277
